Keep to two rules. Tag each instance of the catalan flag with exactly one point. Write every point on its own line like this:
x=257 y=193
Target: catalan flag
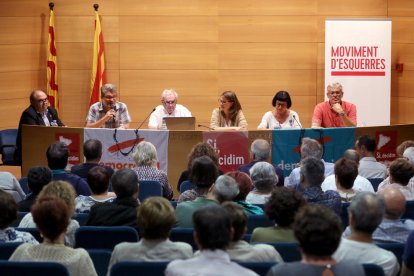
x=98 y=65
x=52 y=78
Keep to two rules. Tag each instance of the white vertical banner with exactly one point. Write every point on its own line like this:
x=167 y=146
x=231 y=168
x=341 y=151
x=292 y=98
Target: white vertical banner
x=358 y=55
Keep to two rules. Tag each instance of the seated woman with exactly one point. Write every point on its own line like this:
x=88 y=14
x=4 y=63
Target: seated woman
x=346 y=171
x=229 y=114
x=155 y=218
x=9 y=183
x=8 y=207
x=401 y=171
x=281 y=116
x=65 y=191
x=52 y=216
x=241 y=251
x=145 y=156
x=203 y=174
x=281 y=207
x=98 y=181
x=264 y=180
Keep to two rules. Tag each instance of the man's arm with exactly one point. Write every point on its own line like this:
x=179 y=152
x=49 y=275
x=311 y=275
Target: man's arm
x=91 y=123
x=349 y=119
x=317 y=117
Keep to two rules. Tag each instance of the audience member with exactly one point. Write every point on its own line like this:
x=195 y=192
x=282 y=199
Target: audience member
x=64 y=191
x=37 y=178
x=57 y=155
x=346 y=171
x=281 y=116
x=403 y=146
x=318 y=231
x=145 y=157
x=408 y=257
x=92 y=150
x=264 y=182
x=98 y=181
x=52 y=216
x=281 y=207
x=212 y=234
x=108 y=113
x=123 y=210
x=229 y=114
x=401 y=171
x=334 y=112
x=369 y=167
x=169 y=108
x=203 y=174
x=365 y=214
x=311 y=178
x=238 y=249
x=260 y=151
x=10 y=184
x=155 y=217
x=8 y=209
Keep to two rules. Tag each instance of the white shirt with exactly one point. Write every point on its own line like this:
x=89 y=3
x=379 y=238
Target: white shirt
x=269 y=121
x=155 y=120
x=370 y=168
x=360 y=184
x=9 y=183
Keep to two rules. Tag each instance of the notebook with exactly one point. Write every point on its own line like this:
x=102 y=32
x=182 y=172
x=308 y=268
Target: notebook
x=180 y=123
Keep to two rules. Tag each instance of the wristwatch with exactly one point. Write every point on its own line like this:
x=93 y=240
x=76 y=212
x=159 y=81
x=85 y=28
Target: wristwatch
x=342 y=114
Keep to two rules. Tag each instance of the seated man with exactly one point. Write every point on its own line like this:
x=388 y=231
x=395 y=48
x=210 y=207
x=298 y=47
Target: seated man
x=169 y=108
x=37 y=178
x=212 y=234
x=369 y=167
x=108 y=113
x=346 y=171
x=10 y=184
x=335 y=112
x=408 y=257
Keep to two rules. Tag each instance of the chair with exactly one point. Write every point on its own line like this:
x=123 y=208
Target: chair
x=373 y=270
x=375 y=182
x=7 y=249
x=174 y=203
x=24 y=184
x=186 y=185
x=34 y=231
x=260 y=268
x=100 y=259
x=139 y=268
x=344 y=214
x=409 y=210
x=394 y=247
x=149 y=188
x=258 y=221
x=288 y=250
x=104 y=237
x=20 y=216
x=183 y=235
x=81 y=218
x=8 y=146
x=8 y=268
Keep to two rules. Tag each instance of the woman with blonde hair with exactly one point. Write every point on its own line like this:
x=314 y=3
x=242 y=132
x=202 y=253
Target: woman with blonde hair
x=229 y=114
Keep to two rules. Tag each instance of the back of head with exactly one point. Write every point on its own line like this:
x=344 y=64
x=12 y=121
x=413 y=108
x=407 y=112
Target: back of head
x=260 y=150
x=57 y=155
x=225 y=188
x=52 y=216
x=202 y=149
x=403 y=146
x=244 y=182
x=367 y=210
x=352 y=154
x=62 y=190
x=98 y=180
x=401 y=171
x=125 y=183
x=263 y=176
x=238 y=219
x=409 y=154
x=212 y=226
x=203 y=172
x=155 y=218
x=145 y=154
x=310 y=148
x=282 y=206
x=346 y=171
x=8 y=207
x=394 y=202
x=313 y=171
x=368 y=142
x=318 y=230
x=92 y=149
x=37 y=178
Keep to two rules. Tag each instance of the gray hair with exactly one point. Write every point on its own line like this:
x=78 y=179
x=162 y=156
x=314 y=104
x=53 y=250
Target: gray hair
x=225 y=188
x=263 y=176
x=409 y=154
x=108 y=87
x=145 y=154
x=352 y=154
x=334 y=85
x=168 y=92
x=313 y=171
x=260 y=149
x=367 y=210
x=310 y=148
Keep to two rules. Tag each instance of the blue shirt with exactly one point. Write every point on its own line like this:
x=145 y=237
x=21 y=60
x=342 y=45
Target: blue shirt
x=330 y=199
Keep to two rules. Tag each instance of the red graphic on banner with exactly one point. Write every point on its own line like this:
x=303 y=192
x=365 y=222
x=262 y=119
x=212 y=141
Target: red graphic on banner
x=72 y=140
x=322 y=140
x=386 y=145
x=124 y=145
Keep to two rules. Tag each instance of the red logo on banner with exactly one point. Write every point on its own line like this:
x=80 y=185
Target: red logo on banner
x=231 y=148
x=72 y=140
x=386 y=145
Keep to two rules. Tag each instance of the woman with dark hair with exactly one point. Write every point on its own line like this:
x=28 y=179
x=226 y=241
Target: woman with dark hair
x=229 y=114
x=52 y=216
x=281 y=116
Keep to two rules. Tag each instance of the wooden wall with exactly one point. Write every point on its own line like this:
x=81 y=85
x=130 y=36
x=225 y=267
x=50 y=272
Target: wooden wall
x=198 y=47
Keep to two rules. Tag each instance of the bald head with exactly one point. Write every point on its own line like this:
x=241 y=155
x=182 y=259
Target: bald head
x=394 y=203
x=352 y=154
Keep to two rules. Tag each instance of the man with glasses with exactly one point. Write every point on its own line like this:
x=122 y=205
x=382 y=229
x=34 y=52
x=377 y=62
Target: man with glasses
x=169 y=108
x=334 y=112
x=108 y=113
x=38 y=113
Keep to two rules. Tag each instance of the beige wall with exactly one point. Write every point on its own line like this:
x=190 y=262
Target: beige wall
x=198 y=47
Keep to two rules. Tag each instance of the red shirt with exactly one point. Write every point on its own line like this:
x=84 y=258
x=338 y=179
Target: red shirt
x=325 y=116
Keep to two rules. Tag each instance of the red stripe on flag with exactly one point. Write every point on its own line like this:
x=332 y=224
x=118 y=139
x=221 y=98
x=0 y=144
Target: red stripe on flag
x=52 y=48
x=357 y=73
x=52 y=67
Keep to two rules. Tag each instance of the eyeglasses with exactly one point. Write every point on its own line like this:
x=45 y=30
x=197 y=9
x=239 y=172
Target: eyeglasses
x=281 y=104
x=42 y=101
x=109 y=97
x=335 y=92
x=223 y=101
x=169 y=102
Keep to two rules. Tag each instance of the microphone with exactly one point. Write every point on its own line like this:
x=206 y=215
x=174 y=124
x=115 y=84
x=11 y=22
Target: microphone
x=296 y=120
x=113 y=107
x=139 y=127
x=207 y=127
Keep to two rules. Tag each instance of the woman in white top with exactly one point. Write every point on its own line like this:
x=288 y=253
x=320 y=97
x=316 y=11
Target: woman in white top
x=281 y=116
